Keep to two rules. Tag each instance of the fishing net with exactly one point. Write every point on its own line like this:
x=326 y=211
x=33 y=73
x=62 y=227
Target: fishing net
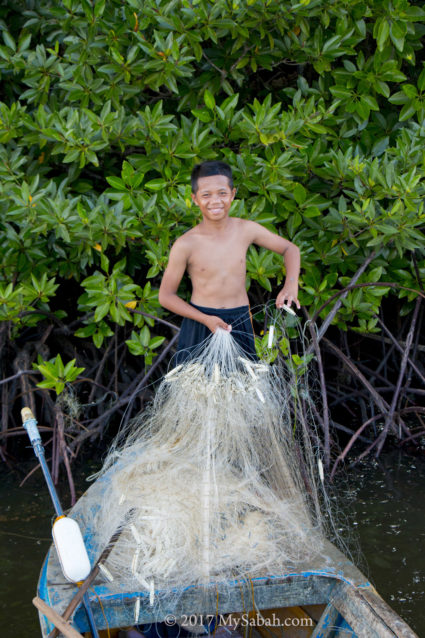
x=217 y=478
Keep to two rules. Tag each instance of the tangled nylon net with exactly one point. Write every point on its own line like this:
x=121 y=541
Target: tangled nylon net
x=215 y=480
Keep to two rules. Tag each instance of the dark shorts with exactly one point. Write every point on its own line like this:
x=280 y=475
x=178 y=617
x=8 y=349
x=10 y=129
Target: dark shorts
x=193 y=333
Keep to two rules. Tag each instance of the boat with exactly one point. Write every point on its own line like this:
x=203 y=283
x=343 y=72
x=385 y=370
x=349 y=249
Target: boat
x=327 y=597
x=330 y=599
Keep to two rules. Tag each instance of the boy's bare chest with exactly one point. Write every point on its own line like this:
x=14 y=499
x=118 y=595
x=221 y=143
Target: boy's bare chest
x=210 y=257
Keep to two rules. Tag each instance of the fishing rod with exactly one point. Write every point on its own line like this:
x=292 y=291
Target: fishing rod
x=66 y=532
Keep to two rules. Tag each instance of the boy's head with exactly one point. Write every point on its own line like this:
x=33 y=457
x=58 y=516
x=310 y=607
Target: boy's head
x=209 y=169
x=212 y=190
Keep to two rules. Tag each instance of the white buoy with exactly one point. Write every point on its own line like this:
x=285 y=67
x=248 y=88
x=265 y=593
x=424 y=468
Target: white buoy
x=137 y=611
x=248 y=368
x=105 y=571
x=135 y=533
x=144 y=583
x=271 y=335
x=135 y=561
x=152 y=593
x=260 y=367
x=173 y=371
x=289 y=310
x=321 y=472
x=71 y=549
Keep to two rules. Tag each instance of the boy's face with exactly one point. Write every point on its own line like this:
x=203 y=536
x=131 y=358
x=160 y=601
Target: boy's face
x=214 y=197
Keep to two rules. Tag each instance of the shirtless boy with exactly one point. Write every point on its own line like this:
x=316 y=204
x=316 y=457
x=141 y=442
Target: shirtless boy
x=214 y=255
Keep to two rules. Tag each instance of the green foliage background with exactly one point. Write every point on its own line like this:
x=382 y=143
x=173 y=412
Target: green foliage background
x=318 y=105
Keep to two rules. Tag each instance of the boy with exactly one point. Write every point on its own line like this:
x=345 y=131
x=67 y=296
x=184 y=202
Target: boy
x=214 y=254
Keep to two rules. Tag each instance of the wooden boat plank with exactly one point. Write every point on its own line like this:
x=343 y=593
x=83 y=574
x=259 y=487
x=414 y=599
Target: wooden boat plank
x=284 y=622
x=368 y=613
x=361 y=607
x=327 y=623
x=268 y=594
x=393 y=620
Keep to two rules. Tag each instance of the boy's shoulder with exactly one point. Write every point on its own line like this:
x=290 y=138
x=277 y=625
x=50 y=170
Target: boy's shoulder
x=187 y=237
x=190 y=236
x=184 y=243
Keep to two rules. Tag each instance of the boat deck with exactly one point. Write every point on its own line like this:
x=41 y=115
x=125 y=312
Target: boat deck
x=335 y=584
x=329 y=589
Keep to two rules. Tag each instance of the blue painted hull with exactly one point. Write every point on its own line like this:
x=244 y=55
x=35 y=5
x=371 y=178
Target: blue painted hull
x=351 y=606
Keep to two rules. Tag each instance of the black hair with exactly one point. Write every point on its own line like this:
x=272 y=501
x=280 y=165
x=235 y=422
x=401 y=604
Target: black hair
x=208 y=169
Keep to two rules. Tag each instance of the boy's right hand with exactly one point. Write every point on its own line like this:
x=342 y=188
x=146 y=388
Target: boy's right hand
x=213 y=323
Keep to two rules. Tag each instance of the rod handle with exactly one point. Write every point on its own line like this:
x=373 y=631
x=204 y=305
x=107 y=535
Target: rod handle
x=26 y=414
x=30 y=424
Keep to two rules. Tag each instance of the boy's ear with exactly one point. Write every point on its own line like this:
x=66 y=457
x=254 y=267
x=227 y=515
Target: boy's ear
x=194 y=198
x=234 y=191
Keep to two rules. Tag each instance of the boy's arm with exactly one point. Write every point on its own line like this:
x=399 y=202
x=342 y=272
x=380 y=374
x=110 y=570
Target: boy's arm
x=168 y=297
x=291 y=255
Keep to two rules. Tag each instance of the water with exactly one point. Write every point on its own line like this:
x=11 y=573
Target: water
x=388 y=517
x=390 y=520
x=26 y=517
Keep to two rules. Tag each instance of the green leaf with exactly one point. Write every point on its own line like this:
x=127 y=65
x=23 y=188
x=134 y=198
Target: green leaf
x=87 y=331
x=311 y=211
x=145 y=336
x=134 y=347
x=300 y=194
x=209 y=100
x=297 y=359
x=407 y=112
x=156 y=184
x=414 y=13
x=202 y=114
x=46 y=384
x=375 y=274
x=127 y=172
x=383 y=33
x=363 y=109
x=382 y=88
x=399 y=98
x=341 y=92
x=99 y=8
x=371 y=101
x=59 y=387
x=102 y=310
x=410 y=90
x=380 y=146
x=397 y=36
x=98 y=339
x=9 y=41
x=155 y=342
x=24 y=42
x=104 y=262
x=421 y=80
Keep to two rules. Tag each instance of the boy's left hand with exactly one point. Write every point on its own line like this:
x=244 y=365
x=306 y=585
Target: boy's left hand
x=287 y=295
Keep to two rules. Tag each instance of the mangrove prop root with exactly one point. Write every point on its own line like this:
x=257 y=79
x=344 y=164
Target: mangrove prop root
x=381 y=388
